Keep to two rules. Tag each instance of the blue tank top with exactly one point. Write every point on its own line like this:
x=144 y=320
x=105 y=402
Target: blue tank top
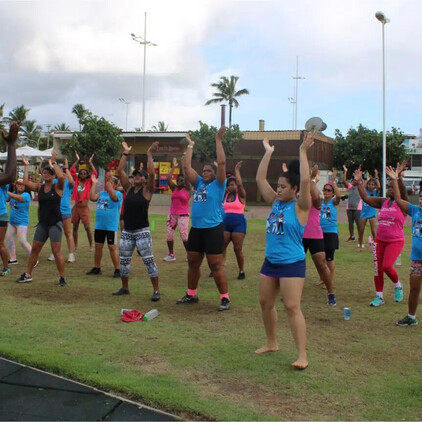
x=65 y=202
x=367 y=210
x=284 y=234
x=328 y=217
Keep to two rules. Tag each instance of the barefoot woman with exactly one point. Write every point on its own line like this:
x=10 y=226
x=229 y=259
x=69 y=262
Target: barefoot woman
x=284 y=267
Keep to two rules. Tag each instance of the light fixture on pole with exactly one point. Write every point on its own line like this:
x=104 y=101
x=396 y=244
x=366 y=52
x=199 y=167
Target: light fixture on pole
x=296 y=78
x=122 y=100
x=383 y=19
x=143 y=41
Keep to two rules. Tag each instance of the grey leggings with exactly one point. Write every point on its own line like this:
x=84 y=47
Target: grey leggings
x=141 y=239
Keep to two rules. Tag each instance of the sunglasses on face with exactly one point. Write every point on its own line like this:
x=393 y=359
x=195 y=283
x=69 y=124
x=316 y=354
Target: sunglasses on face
x=327 y=190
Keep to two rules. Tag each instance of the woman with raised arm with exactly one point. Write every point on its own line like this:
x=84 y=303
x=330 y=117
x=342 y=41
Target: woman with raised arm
x=136 y=232
x=179 y=210
x=66 y=211
x=354 y=205
x=50 y=223
x=283 y=271
x=20 y=201
x=415 y=211
x=6 y=178
x=234 y=218
x=206 y=236
x=80 y=195
x=313 y=238
x=328 y=221
x=389 y=238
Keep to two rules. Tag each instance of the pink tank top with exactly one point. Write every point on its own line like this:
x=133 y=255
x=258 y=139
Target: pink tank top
x=179 y=202
x=390 y=223
x=235 y=207
x=313 y=228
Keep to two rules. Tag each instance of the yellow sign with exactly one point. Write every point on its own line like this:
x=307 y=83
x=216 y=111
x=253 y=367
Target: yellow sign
x=165 y=167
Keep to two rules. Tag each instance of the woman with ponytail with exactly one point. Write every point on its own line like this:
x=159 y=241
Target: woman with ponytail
x=283 y=271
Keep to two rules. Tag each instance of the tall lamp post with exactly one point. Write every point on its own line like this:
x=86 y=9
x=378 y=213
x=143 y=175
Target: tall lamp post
x=383 y=19
x=122 y=100
x=293 y=103
x=296 y=78
x=143 y=41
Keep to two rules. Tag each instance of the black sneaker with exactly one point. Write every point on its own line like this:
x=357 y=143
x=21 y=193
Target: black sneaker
x=155 y=297
x=24 y=278
x=224 y=305
x=62 y=282
x=121 y=292
x=94 y=271
x=188 y=300
x=241 y=276
x=116 y=274
x=14 y=262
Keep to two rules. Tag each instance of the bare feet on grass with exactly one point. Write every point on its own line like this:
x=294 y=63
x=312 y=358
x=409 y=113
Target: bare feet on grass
x=301 y=363
x=267 y=348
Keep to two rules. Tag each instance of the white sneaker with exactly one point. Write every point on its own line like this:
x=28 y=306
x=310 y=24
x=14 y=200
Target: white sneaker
x=71 y=258
x=169 y=257
x=51 y=257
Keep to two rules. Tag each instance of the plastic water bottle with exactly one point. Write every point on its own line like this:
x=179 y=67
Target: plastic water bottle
x=347 y=314
x=398 y=260
x=150 y=315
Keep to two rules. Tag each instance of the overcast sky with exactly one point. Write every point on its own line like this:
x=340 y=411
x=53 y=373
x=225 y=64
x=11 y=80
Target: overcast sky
x=55 y=54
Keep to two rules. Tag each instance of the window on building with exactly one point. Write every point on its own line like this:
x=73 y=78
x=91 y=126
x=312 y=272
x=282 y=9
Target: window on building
x=416 y=160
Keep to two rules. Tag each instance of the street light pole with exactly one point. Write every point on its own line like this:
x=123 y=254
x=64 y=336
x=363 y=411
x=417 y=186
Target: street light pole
x=143 y=41
x=122 y=100
x=383 y=19
x=297 y=77
x=293 y=103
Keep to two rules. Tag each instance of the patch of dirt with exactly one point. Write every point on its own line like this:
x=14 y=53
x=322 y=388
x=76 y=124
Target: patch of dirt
x=151 y=365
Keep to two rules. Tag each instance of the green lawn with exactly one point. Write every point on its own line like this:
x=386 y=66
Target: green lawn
x=198 y=362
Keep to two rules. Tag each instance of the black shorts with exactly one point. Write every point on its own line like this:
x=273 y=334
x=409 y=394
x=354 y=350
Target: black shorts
x=3 y=223
x=101 y=235
x=331 y=244
x=210 y=241
x=314 y=245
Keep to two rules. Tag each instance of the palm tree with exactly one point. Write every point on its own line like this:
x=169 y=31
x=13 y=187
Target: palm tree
x=81 y=113
x=63 y=127
x=18 y=114
x=226 y=92
x=162 y=127
x=31 y=131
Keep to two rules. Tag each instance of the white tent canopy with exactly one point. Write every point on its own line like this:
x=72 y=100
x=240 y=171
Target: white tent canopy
x=29 y=152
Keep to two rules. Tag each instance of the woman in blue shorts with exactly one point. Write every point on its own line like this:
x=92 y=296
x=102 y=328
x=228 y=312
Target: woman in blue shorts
x=234 y=218
x=283 y=271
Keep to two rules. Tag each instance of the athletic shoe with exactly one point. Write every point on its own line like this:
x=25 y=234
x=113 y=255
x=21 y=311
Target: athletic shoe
x=169 y=257
x=62 y=281
x=121 y=292
x=407 y=320
x=116 y=274
x=224 y=305
x=94 y=271
x=188 y=300
x=369 y=241
x=351 y=239
x=241 y=275
x=155 y=297
x=398 y=294
x=5 y=272
x=361 y=246
x=51 y=258
x=378 y=301
x=24 y=278
x=331 y=299
x=71 y=258
x=14 y=262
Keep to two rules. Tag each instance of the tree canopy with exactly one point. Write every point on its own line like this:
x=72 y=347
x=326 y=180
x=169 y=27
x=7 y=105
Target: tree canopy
x=363 y=146
x=204 y=139
x=98 y=136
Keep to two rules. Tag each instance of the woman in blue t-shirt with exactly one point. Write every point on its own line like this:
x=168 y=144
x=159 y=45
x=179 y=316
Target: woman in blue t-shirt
x=283 y=271
x=415 y=212
x=206 y=237
x=18 y=221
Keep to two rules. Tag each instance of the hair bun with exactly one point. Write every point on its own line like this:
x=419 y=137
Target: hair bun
x=294 y=166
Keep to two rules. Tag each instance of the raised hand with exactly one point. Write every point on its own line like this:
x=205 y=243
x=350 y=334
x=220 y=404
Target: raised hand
x=307 y=142
x=358 y=175
x=91 y=158
x=334 y=176
x=94 y=178
x=190 y=142
x=153 y=147
x=126 y=147
x=345 y=168
x=53 y=156
x=376 y=173
x=25 y=161
x=109 y=177
x=393 y=174
x=314 y=171
x=77 y=155
x=401 y=167
x=267 y=146
x=318 y=177
x=284 y=168
x=175 y=162
x=238 y=166
x=66 y=164
x=221 y=132
x=12 y=136
x=141 y=165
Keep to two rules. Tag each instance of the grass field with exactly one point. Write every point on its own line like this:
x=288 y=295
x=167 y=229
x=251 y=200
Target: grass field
x=200 y=363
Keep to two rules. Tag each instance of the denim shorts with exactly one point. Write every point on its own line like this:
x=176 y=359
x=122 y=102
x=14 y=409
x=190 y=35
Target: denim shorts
x=295 y=269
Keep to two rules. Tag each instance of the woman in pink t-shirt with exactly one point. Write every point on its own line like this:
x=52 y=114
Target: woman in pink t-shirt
x=313 y=238
x=389 y=240
x=179 y=211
